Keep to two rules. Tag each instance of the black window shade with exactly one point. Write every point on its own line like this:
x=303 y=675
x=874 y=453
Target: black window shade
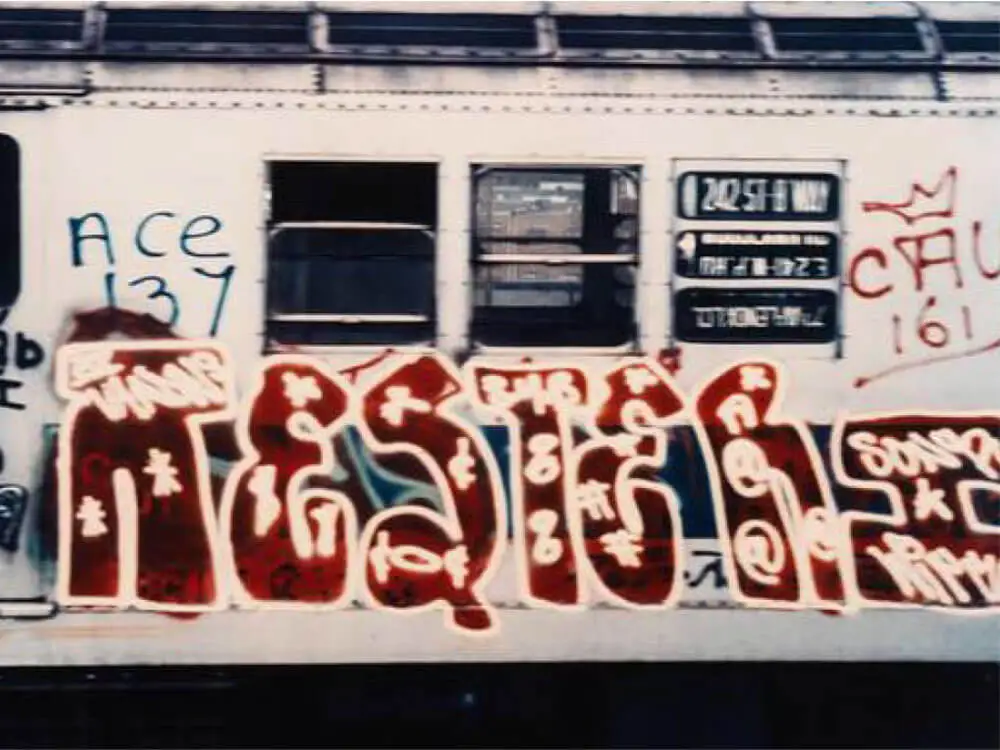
x=207 y=27
x=476 y=30
x=655 y=33
x=24 y=25
x=858 y=35
x=970 y=36
x=10 y=221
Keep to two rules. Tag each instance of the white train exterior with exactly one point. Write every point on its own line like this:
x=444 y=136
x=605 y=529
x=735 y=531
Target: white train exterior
x=802 y=195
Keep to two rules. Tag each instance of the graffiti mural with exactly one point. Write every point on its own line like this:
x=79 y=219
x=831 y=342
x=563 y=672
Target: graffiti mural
x=905 y=516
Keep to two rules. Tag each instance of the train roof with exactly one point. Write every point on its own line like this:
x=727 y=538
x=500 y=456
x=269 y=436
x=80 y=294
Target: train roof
x=938 y=52
x=512 y=33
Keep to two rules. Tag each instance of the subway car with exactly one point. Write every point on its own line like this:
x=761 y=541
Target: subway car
x=489 y=332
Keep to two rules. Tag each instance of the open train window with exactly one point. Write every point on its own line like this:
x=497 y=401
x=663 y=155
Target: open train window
x=10 y=221
x=555 y=255
x=351 y=253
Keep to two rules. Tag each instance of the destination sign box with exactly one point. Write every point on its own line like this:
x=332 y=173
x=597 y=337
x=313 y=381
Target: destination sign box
x=758 y=196
x=754 y=315
x=752 y=254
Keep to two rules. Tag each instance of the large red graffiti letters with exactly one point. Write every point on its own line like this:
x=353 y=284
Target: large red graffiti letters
x=302 y=523
x=777 y=520
x=137 y=524
x=416 y=557
x=933 y=543
x=291 y=542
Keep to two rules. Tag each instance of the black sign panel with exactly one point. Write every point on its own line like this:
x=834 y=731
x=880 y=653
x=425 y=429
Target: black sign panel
x=751 y=254
x=758 y=196
x=752 y=316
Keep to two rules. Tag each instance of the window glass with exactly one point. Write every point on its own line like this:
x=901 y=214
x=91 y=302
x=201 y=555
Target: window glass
x=432 y=30
x=846 y=35
x=193 y=26
x=353 y=272
x=351 y=257
x=970 y=36
x=612 y=32
x=543 y=205
x=10 y=221
x=525 y=285
x=555 y=256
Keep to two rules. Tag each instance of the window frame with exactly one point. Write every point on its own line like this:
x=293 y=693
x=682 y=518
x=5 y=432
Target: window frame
x=477 y=169
x=271 y=229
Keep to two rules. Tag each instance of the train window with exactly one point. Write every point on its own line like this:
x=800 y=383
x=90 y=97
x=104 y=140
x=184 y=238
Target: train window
x=496 y=30
x=655 y=33
x=351 y=253
x=36 y=25
x=555 y=254
x=175 y=26
x=970 y=36
x=846 y=35
x=10 y=221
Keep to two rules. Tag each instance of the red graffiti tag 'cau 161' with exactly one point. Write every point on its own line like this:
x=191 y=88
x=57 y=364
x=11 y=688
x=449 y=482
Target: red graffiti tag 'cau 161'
x=907 y=522
x=942 y=256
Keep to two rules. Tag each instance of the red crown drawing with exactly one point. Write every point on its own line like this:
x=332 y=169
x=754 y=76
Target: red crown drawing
x=923 y=203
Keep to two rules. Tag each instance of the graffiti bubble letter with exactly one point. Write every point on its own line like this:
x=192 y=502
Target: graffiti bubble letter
x=291 y=541
x=538 y=403
x=779 y=527
x=417 y=557
x=630 y=520
x=136 y=521
x=924 y=491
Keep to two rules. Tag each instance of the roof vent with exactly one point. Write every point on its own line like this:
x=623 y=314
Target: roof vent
x=655 y=33
x=23 y=25
x=982 y=37
x=186 y=27
x=854 y=35
x=477 y=30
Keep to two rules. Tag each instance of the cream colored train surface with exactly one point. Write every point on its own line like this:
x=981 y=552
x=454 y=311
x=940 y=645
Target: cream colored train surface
x=499 y=332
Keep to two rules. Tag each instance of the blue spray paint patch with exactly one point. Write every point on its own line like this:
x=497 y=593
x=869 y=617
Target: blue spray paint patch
x=13 y=504
x=499 y=442
x=385 y=488
x=686 y=473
